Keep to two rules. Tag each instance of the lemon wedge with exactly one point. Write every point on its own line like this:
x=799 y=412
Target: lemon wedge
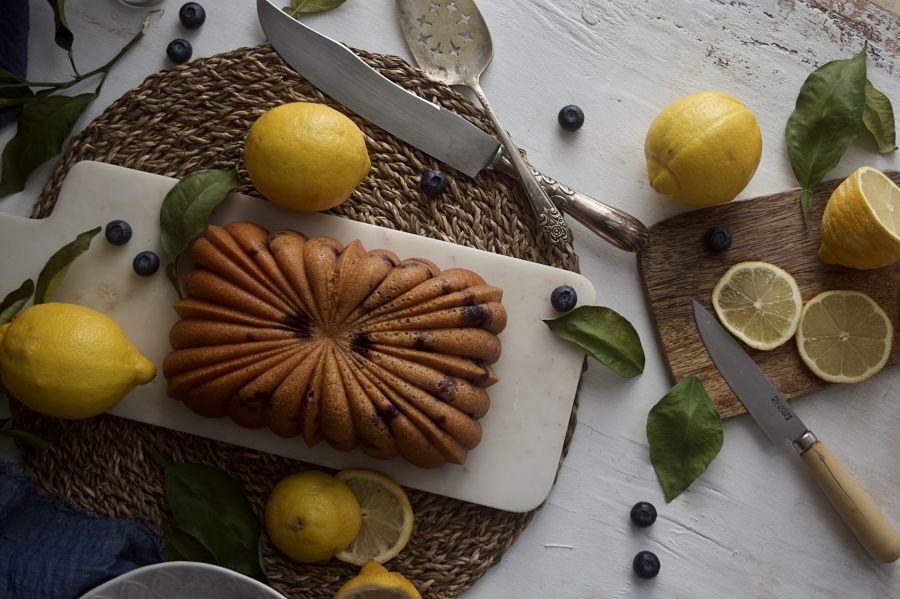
x=758 y=303
x=844 y=336
x=375 y=582
x=861 y=224
x=387 y=517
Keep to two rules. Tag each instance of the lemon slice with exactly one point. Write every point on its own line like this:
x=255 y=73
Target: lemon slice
x=861 y=224
x=758 y=303
x=844 y=336
x=387 y=517
x=375 y=582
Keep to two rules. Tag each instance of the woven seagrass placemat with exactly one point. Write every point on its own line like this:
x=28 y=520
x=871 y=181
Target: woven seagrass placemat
x=196 y=116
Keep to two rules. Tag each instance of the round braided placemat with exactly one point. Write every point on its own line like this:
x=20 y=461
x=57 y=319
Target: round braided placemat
x=195 y=116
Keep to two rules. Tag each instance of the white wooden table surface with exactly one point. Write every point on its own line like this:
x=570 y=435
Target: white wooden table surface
x=754 y=525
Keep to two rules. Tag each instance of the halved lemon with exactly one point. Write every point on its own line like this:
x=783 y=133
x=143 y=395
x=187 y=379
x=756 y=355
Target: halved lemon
x=387 y=517
x=861 y=224
x=844 y=336
x=758 y=303
x=375 y=582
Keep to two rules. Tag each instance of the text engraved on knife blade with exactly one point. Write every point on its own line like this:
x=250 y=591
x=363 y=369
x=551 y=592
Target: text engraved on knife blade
x=782 y=408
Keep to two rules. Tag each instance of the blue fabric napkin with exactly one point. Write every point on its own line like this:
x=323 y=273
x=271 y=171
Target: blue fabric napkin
x=48 y=551
x=13 y=46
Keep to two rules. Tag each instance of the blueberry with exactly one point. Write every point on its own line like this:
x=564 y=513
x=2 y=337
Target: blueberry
x=146 y=263
x=118 y=232
x=717 y=239
x=192 y=15
x=434 y=183
x=563 y=298
x=643 y=514
x=179 y=51
x=570 y=118
x=646 y=564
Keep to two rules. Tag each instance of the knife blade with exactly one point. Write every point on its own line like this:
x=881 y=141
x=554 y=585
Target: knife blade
x=779 y=422
x=341 y=74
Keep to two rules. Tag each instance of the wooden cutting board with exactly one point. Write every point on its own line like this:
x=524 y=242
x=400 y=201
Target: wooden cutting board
x=677 y=268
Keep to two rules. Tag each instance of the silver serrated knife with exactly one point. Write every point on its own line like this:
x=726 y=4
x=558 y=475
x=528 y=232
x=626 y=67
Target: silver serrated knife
x=778 y=420
x=341 y=74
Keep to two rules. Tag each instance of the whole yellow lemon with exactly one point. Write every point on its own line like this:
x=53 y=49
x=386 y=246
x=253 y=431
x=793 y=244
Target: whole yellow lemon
x=374 y=581
x=305 y=156
x=703 y=149
x=311 y=515
x=69 y=361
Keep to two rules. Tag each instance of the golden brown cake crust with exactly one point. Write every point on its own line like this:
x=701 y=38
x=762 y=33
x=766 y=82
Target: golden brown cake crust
x=356 y=347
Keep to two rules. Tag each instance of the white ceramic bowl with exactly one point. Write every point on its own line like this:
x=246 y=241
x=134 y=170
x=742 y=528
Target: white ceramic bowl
x=182 y=580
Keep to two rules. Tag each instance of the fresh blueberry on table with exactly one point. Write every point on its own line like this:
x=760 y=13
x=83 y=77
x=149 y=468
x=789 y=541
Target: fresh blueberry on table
x=192 y=15
x=570 y=118
x=117 y=232
x=563 y=298
x=146 y=263
x=434 y=183
x=179 y=51
x=717 y=239
x=646 y=564
x=643 y=514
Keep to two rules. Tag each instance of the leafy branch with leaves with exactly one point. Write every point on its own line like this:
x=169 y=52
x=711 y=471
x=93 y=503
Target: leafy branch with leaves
x=47 y=118
x=834 y=104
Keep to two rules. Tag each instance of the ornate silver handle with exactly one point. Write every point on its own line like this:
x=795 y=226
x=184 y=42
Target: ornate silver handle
x=548 y=216
x=615 y=226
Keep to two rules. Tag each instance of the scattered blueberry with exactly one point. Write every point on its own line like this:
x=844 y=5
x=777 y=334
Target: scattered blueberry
x=570 y=118
x=179 y=51
x=717 y=239
x=146 y=263
x=646 y=564
x=643 y=514
x=434 y=183
x=118 y=232
x=563 y=298
x=192 y=15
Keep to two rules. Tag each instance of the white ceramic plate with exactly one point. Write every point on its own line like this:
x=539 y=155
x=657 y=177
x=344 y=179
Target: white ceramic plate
x=182 y=580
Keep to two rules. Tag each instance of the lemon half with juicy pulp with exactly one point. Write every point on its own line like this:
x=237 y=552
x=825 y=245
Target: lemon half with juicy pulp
x=376 y=582
x=387 y=517
x=844 y=336
x=759 y=303
x=861 y=224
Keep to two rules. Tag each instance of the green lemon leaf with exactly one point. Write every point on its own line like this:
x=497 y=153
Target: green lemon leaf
x=806 y=200
x=15 y=300
x=64 y=36
x=684 y=431
x=180 y=546
x=826 y=118
x=26 y=438
x=57 y=265
x=878 y=118
x=311 y=6
x=209 y=506
x=13 y=90
x=604 y=334
x=44 y=125
x=187 y=207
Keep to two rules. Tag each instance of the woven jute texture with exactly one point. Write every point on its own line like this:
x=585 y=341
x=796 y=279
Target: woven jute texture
x=196 y=116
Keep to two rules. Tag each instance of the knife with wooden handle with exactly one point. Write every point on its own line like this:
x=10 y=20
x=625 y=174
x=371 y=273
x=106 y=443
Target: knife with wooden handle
x=778 y=420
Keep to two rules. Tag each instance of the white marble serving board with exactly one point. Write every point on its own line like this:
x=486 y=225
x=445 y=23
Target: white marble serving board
x=514 y=466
